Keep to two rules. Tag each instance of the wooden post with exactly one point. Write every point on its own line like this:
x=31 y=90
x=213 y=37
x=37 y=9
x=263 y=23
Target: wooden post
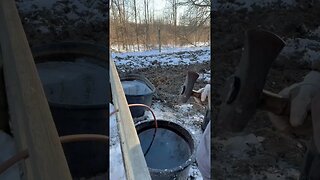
x=32 y=122
x=134 y=161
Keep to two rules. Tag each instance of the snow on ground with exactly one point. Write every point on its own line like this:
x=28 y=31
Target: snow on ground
x=168 y=57
x=250 y=4
x=116 y=167
x=204 y=77
x=307 y=47
x=53 y=16
x=181 y=114
x=73 y=10
x=302 y=50
x=174 y=56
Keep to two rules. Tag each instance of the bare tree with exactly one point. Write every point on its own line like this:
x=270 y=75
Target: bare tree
x=124 y=25
x=146 y=17
x=198 y=11
x=174 y=11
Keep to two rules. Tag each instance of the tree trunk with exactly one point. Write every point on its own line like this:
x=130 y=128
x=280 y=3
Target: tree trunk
x=136 y=22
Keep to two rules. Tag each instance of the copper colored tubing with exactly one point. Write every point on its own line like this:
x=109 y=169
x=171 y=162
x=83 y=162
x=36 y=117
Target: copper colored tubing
x=64 y=139
x=83 y=137
x=143 y=105
x=14 y=159
x=155 y=121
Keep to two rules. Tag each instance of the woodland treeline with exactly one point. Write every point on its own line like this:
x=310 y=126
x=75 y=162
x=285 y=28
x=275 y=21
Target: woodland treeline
x=134 y=25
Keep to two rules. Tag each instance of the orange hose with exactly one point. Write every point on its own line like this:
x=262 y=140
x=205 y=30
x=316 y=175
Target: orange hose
x=155 y=121
x=14 y=159
x=143 y=105
x=83 y=137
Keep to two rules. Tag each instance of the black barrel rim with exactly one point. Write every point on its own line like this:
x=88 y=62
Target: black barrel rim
x=190 y=140
x=42 y=53
x=131 y=77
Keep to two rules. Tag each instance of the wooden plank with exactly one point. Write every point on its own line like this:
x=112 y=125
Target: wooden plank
x=32 y=122
x=274 y=103
x=134 y=161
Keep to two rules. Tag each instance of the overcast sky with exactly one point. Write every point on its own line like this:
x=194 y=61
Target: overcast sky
x=160 y=5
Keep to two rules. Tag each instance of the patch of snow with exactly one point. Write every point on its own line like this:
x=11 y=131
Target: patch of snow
x=194 y=173
x=204 y=77
x=316 y=32
x=311 y=56
x=274 y=174
x=306 y=47
x=73 y=10
x=116 y=161
x=28 y=5
x=185 y=107
x=113 y=126
x=238 y=146
x=219 y=5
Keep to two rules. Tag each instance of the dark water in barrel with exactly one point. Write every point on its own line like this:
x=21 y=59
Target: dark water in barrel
x=72 y=83
x=168 y=150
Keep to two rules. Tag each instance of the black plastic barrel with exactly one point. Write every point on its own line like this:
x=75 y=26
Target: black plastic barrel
x=138 y=96
x=172 y=151
x=85 y=159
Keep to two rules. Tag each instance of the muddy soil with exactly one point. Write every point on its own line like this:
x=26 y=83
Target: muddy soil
x=260 y=151
x=169 y=79
x=64 y=20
